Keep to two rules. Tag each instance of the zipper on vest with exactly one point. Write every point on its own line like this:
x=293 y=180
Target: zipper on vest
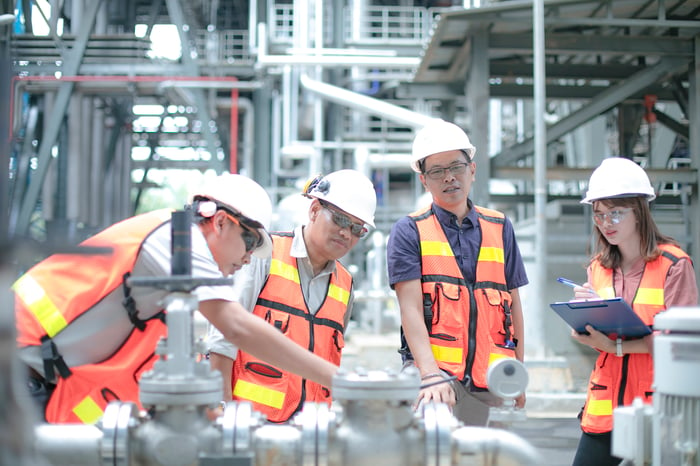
x=623 y=380
x=471 y=336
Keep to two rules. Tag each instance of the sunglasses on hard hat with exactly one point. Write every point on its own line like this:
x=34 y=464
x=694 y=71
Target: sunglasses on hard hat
x=251 y=237
x=343 y=221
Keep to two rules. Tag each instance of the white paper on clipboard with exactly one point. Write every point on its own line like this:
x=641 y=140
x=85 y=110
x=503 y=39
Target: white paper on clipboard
x=610 y=316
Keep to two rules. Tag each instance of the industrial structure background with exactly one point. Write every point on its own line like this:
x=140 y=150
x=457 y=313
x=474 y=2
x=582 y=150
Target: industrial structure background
x=97 y=124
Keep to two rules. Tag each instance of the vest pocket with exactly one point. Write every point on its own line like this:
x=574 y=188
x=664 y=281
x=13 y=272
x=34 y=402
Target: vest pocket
x=338 y=340
x=500 y=321
x=444 y=297
x=278 y=319
x=266 y=370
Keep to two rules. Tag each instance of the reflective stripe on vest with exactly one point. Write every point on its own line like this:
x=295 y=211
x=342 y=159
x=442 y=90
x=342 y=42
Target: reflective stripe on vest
x=88 y=411
x=258 y=394
x=465 y=341
x=58 y=290
x=618 y=381
x=84 y=395
x=276 y=393
x=30 y=292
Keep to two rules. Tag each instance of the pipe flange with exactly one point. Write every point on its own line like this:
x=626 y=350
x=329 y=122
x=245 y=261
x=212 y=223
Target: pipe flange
x=314 y=419
x=438 y=423
x=236 y=426
x=116 y=421
x=376 y=385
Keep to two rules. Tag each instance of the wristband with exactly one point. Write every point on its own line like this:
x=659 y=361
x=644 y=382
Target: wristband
x=618 y=348
x=431 y=375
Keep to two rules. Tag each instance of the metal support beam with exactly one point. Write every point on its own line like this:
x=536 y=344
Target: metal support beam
x=671 y=123
x=74 y=57
x=594 y=44
x=477 y=104
x=694 y=150
x=536 y=335
x=191 y=68
x=603 y=102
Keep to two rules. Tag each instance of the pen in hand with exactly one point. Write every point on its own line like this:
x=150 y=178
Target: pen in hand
x=567 y=282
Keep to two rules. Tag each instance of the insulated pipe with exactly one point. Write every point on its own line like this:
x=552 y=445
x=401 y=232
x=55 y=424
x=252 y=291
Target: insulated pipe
x=364 y=103
x=493 y=446
x=74 y=444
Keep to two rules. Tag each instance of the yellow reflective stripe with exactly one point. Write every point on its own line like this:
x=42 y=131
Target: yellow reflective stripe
x=447 y=354
x=39 y=304
x=491 y=255
x=493 y=357
x=599 y=407
x=88 y=411
x=339 y=294
x=279 y=268
x=653 y=296
x=259 y=394
x=436 y=248
x=607 y=292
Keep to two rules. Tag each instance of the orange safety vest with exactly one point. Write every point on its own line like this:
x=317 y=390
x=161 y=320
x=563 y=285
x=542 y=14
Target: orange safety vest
x=276 y=393
x=58 y=290
x=618 y=381
x=470 y=325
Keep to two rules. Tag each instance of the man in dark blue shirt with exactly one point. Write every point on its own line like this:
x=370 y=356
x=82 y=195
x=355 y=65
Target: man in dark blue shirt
x=423 y=248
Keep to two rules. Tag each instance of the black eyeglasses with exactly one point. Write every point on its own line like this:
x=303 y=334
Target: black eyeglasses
x=438 y=173
x=343 y=221
x=251 y=238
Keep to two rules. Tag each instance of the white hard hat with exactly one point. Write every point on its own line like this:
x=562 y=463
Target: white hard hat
x=618 y=177
x=439 y=136
x=243 y=196
x=348 y=190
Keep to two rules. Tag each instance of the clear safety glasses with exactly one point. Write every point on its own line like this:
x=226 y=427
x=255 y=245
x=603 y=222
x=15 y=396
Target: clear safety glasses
x=439 y=173
x=613 y=217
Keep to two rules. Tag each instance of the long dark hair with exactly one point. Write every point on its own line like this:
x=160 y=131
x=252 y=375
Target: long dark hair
x=609 y=255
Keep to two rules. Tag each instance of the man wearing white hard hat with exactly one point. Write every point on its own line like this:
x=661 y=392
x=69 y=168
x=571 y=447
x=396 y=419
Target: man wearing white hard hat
x=456 y=270
x=86 y=336
x=304 y=292
x=632 y=260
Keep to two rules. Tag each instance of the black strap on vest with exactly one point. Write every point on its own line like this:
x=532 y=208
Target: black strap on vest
x=507 y=323
x=53 y=359
x=130 y=305
x=428 y=312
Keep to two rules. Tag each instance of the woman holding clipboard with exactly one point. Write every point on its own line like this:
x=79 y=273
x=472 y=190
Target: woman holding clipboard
x=635 y=261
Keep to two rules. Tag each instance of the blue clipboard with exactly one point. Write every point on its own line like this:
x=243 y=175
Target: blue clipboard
x=610 y=316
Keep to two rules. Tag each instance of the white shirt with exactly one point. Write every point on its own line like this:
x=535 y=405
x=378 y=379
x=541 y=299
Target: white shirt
x=250 y=280
x=99 y=332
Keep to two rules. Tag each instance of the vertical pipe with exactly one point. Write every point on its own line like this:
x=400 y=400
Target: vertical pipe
x=5 y=101
x=536 y=313
x=181 y=245
x=97 y=168
x=694 y=149
x=233 y=137
x=316 y=162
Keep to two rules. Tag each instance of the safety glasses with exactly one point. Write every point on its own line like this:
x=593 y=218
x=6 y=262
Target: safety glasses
x=613 y=217
x=251 y=238
x=438 y=173
x=343 y=221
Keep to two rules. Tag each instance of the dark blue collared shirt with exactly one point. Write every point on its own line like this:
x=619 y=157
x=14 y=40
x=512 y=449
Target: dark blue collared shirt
x=403 y=248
